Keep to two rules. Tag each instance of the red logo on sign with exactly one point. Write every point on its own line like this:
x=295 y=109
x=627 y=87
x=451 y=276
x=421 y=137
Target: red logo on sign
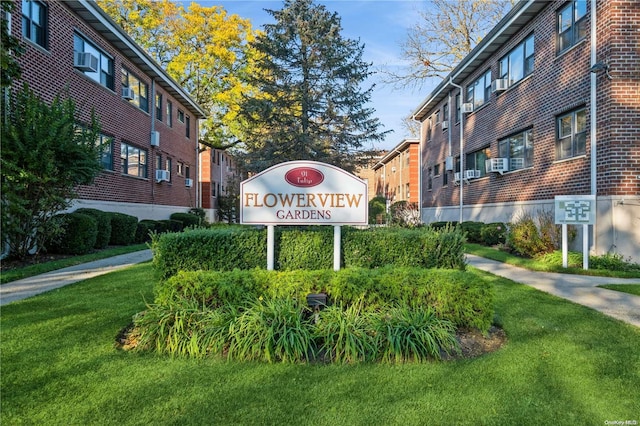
x=304 y=177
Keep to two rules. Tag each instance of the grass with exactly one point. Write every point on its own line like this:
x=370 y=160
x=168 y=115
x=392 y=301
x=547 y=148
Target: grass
x=624 y=288
x=40 y=268
x=563 y=364
x=549 y=264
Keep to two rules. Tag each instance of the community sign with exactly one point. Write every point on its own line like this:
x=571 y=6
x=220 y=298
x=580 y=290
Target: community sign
x=304 y=193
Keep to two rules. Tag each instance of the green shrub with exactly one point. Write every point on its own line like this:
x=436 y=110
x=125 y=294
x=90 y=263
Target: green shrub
x=442 y=225
x=187 y=219
x=492 y=234
x=78 y=236
x=271 y=330
x=613 y=262
x=305 y=249
x=413 y=334
x=377 y=210
x=219 y=248
x=123 y=229
x=103 y=221
x=472 y=230
x=142 y=232
x=171 y=225
x=532 y=237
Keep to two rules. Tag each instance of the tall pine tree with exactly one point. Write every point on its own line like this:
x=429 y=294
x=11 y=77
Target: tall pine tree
x=311 y=104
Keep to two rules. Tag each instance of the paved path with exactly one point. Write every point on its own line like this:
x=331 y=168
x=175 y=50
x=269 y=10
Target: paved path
x=27 y=287
x=581 y=289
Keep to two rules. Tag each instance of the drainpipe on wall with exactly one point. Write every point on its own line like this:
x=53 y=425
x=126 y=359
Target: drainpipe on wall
x=419 y=167
x=593 y=120
x=461 y=149
x=152 y=107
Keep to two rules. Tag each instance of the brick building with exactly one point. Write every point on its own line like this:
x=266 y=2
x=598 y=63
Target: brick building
x=547 y=104
x=149 y=124
x=218 y=173
x=396 y=174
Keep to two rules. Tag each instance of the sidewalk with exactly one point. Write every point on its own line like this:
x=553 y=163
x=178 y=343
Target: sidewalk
x=581 y=289
x=27 y=287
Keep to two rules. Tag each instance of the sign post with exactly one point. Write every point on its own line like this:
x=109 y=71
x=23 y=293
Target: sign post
x=575 y=210
x=304 y=193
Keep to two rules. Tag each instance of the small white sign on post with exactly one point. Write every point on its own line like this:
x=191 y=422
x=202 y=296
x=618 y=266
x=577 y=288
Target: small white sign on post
x=575 y=210
x=304 y=193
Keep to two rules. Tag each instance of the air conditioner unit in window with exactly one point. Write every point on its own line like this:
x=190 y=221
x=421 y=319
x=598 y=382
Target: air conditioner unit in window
x=499 y=84
x=393 y=169
x=162 y=175
x=85 y=61
x=471 y=174
x=445 y=125
x=127 y=93
x=456 y=177
x=188 y=183
x=155 y=138
x=467 y=107
x=497 y=165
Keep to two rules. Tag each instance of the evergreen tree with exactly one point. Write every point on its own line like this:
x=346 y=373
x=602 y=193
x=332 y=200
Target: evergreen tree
x=311 y=105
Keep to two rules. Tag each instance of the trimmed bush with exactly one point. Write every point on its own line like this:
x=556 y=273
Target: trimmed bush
x=187 y=219
x=103 y=221
x=79 y=233
x=454 y=295
x=492 y=234
x=472 y=230
x=123 y=229
x=142 y=232
x=305 y=249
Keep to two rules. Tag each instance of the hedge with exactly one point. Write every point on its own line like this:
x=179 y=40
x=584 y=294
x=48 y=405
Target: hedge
x=187 y=219
x=454 y=295
x=123 y=229
x=104 y=225
x=79 y=233
x=227 y=248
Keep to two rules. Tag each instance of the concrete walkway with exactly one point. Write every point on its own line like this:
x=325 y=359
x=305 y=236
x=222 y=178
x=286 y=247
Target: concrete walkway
x=581 y=289
x=27 y=287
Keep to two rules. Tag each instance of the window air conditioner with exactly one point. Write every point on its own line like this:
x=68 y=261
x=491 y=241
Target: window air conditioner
x=471 y=174
x=445 y=125
x=188 y=183
x=499 y=85
x=497 y=165
x=155 y=138
x=393 y=169
x=456 y=177
x=162 y=175
x=85 y=61
x=467 y=107
x=127 y=93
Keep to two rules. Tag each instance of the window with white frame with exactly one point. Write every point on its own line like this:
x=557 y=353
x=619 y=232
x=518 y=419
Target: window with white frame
x=572 y=134
x=518 y=149
x=479 y=91
x=34 y=22
x=180 y=115
x=572 y=24
x=168 y=165
x=140 y=90
x=133 y=160
x=475 y=161
x=519 y=62
x=106 y=151
x=104 y=72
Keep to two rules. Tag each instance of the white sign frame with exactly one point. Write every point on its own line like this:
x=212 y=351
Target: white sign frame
x=575 y=210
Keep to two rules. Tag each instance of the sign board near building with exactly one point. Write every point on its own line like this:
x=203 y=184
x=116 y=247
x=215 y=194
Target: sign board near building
x=304 y=193
x=575 y=209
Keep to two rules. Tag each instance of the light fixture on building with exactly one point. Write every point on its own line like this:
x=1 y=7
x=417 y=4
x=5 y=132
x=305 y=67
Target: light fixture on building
x=599 y=67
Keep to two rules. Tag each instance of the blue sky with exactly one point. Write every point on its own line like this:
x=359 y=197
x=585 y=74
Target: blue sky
x=381 y=25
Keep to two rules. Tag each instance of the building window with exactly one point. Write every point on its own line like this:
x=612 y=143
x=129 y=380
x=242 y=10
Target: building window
x=436 y=170
x=519 y=62
x=476 y=161
x=458 y=103
x=429 y=129
x=158 y=162
x=445 y=175
x=445 y=114
x=179 y=168
x=572 y=134
x=104 y=71
x=572 y=24
x=168 y=168
x=34 y=22
x=106 y=151
x=187 y=172
x=429 y=179
x=169 y=113
x=133 y=161
x=478 y=92
x=188 y=126
x=159 y=106
x=140 y=90
x=180 y=115
x=518 y=149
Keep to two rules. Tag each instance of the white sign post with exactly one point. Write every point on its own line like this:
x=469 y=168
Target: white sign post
x=304 y=193
x=575 y=210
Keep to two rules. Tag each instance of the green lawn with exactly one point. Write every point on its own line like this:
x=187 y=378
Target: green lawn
x=625 y=288
x=563 y=364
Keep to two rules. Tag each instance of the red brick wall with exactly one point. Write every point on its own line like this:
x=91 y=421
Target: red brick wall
x=50 y=72
x=558 y=85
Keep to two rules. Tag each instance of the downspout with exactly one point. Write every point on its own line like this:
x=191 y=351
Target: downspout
x=450 y=121
x=197 y=148
x=153 y=148
x=461 y=148
x=593 y=119
x=419 y=167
